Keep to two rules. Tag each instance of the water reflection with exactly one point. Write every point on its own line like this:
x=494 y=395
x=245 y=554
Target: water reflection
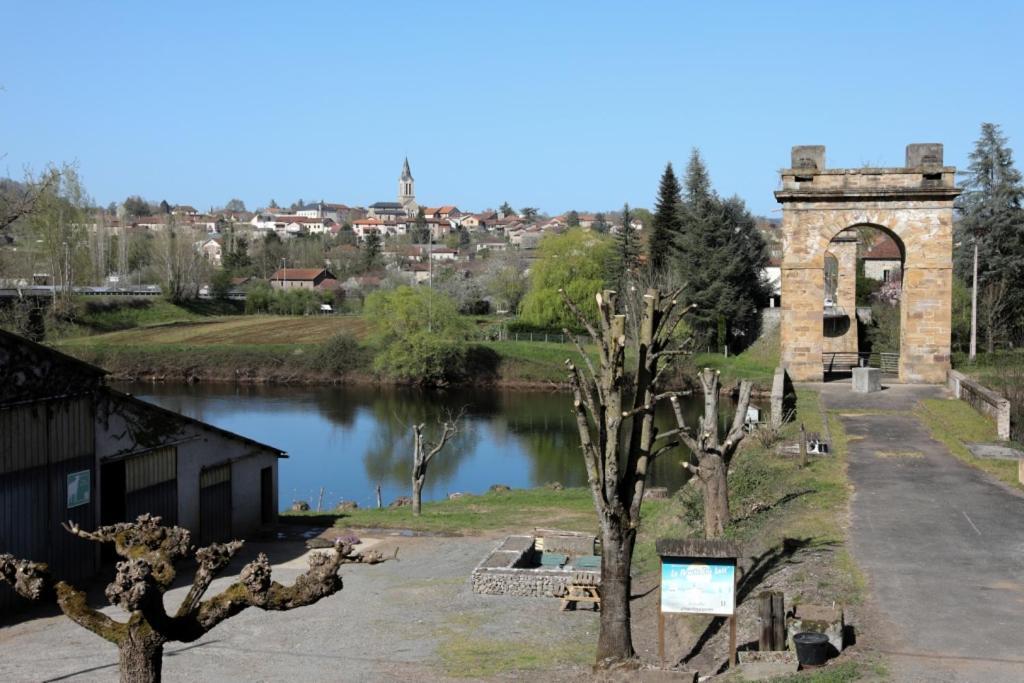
x=348 y=439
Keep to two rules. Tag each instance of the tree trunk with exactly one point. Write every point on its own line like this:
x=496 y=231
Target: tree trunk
x=140 y=656
x=716 y=497
x=417 y=494
x=615 y=644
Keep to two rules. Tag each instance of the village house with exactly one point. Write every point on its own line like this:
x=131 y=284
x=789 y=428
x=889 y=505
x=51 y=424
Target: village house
x=489 y=243
x=75 y=450
x=364 y=226
x=212 y=250
x=303 y=278
x=184 y=210
x=883 y=260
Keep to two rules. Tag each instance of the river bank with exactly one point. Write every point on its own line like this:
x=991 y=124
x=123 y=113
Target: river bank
x=305 y=350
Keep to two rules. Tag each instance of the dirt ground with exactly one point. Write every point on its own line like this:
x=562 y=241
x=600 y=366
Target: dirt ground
x=416 y=618
x=413 y=619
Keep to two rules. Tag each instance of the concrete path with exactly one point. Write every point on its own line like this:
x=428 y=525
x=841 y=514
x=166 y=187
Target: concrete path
x=942 y=544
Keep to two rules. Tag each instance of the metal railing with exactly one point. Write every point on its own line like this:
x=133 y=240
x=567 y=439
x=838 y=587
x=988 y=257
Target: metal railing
x=846 y=361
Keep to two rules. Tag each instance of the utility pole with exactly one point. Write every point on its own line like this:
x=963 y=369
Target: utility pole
x=430 y=279
x=974 y=303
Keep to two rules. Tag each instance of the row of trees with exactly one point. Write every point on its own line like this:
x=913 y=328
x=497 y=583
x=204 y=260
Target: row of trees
x=990 y=232
x=713 y=246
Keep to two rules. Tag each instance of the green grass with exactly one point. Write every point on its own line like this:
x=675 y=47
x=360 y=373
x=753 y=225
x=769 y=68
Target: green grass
x=756 y=363
x=233 y=331
x=519 y=509
x=955 y=423
x=465 y=653
x=101 y=315
x=534 y=361
x=842 y=672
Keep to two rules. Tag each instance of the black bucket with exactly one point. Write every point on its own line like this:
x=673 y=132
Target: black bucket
x=811 y=648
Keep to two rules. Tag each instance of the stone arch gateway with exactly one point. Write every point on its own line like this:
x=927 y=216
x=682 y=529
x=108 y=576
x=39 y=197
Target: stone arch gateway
x=913 y=203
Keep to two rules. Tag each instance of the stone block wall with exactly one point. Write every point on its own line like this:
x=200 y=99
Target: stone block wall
x=502 y=573
x=801 y=341
x=982 y=399
x=915 y=205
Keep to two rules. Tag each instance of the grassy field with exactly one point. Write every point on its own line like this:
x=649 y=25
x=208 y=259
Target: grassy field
x=519 y=509
x=955 y=423
x=167 y=341
x=249 y=330
x=98 y=315
x=756 y=363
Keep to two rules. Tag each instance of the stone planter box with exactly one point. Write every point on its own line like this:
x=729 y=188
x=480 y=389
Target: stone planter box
x=507 y=571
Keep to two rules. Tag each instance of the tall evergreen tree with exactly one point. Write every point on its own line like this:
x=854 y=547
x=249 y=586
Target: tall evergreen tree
x=667 y=224
x=625 y=258
x=992 y=217
x=721 y=256
x=421 y=231
x=370 y=255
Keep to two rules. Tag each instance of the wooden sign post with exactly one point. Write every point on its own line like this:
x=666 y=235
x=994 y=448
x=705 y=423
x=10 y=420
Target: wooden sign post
x=698 y=577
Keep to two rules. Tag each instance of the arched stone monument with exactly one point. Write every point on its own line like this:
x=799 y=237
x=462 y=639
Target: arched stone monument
x=914 y=204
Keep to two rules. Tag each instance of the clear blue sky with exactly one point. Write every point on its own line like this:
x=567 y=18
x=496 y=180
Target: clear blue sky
x=551 y=104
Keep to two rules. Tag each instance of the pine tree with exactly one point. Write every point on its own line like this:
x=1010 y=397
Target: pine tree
x=625 y=258
x=421 y=231
x=721 y=256
x=667 y=224
x=993 y=218
x=370 y=256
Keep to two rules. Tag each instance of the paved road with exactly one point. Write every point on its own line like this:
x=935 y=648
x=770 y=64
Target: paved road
x=941 y=542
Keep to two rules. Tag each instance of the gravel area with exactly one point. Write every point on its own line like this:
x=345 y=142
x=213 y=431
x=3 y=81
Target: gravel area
x=415 y=618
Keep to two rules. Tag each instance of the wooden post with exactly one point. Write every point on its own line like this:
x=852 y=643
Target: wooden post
x=779 y=623
x=320 y=502
x=772 y=615
x=732 y=642
x=661 y=619
x=803 y=446
x=379 y=504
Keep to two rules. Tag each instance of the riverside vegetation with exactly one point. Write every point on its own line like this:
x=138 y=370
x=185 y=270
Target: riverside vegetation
x=154 y=339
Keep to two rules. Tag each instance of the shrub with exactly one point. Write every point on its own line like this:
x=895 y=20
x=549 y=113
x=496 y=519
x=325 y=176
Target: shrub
x=423 y=358
x=339 y=355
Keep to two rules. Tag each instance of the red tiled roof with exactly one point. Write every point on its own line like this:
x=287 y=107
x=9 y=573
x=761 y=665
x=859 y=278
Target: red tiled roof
x=298 y=274
x=883 y=248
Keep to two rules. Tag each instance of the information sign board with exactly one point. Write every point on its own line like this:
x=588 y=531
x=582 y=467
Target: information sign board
x=79 y=488
x=698 y=585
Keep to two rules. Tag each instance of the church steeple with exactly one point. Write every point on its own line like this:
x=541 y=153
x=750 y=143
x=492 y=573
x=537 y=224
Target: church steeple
x=406 y=191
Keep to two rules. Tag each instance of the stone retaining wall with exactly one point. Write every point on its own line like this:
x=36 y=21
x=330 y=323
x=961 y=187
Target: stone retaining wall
x=982 y=399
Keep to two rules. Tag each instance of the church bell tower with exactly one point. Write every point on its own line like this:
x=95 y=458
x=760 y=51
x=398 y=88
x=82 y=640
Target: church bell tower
x=406 y=193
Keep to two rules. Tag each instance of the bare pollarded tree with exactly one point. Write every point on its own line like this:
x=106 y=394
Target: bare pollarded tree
x=424 y=451
x=619 y=439
x=711 y=456
x=150 y=551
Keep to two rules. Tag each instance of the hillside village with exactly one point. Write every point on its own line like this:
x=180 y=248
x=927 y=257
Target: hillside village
x=329 y=246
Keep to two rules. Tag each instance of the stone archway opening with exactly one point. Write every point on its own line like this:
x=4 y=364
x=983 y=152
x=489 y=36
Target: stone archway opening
x=863 y=278
x=913 y=205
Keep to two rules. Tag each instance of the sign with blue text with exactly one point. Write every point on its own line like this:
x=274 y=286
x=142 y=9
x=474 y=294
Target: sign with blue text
x=702 y=585
x=79 y=488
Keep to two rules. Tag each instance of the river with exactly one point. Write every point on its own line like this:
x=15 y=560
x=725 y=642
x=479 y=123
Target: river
x=348 y=439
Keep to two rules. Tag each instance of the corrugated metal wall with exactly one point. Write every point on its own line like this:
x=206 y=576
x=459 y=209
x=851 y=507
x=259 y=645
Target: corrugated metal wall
x=151 y=484
x=215 y=504
x=40 y=445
